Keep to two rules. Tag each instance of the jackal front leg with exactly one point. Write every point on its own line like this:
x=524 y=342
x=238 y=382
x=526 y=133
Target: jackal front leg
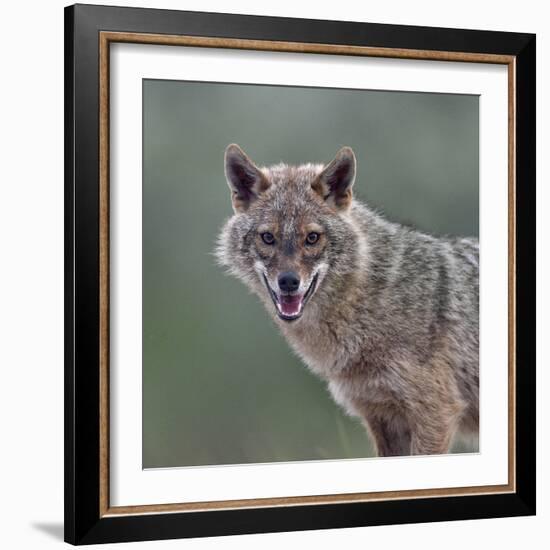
x=434 y=428
x=390 y=431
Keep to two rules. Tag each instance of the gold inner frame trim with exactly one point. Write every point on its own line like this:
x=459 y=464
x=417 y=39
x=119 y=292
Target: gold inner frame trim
x=105 y=39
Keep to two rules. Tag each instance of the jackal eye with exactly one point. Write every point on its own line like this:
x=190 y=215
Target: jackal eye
x=268 y=238
x=312 y=237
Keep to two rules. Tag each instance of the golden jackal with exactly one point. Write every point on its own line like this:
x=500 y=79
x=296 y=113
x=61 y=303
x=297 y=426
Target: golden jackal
x=387 y=315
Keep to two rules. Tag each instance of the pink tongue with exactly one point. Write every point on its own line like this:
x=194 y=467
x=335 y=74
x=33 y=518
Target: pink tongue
x=290 y=305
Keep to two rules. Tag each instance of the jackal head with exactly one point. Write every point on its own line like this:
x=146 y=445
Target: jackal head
x=290 y=237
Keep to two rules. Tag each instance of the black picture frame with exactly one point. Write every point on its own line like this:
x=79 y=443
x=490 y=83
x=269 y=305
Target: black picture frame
x=84 y=524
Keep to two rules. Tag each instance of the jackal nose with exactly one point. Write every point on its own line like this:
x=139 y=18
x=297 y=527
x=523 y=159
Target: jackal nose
x=288 y=281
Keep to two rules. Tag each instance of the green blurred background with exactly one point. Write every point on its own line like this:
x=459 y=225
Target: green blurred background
x=220 y=385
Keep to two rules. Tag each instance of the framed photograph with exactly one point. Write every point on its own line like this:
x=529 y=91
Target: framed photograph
x=300 y=284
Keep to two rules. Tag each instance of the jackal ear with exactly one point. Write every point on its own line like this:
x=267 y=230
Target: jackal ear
x=334 y=183
x=245 y=179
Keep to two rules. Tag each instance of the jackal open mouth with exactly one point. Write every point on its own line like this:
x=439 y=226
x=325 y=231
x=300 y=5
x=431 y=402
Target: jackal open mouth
x=290 y=306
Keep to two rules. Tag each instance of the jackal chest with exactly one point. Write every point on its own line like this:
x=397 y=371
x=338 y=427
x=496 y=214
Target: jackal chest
x=321 y=352
x=353 y=383
x=356 y=393
x=322 y=360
